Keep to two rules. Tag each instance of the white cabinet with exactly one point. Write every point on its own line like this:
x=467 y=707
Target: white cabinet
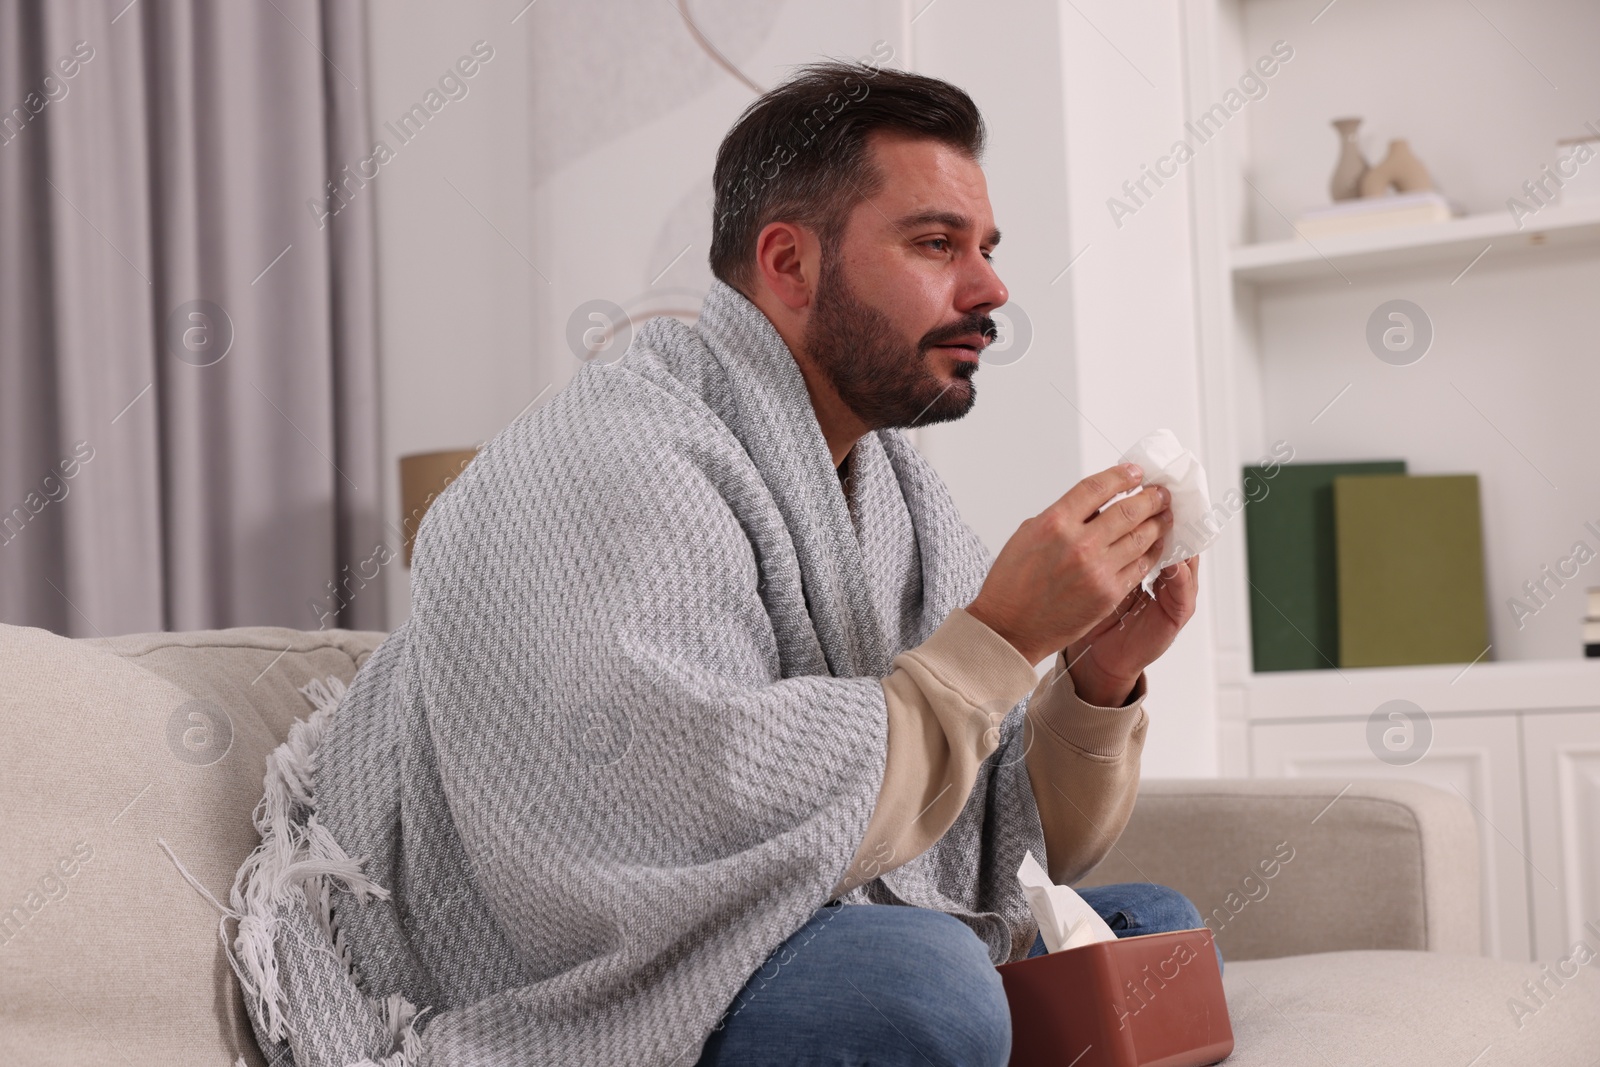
x=1474 y=757
x=1533 y=781
x=1562 y=754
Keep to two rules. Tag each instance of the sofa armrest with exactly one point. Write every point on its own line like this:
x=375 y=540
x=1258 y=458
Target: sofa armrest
x=1284 y=867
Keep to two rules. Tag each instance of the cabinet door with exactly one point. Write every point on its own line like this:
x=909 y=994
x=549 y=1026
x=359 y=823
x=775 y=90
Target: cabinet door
x=1470 y=756
x=1562 y=750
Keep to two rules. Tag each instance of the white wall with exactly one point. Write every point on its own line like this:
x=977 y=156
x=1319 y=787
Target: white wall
x=1137 y=357
x=1087 y=93
x=455 y=322
x=1018 y=449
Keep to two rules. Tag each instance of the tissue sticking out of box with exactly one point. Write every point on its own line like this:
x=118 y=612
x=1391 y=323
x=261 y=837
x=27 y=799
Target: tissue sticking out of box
x=1167 y=463
x=1065 y=919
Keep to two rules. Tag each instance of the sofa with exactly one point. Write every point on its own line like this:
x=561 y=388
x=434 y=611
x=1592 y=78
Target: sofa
x=1347 y=911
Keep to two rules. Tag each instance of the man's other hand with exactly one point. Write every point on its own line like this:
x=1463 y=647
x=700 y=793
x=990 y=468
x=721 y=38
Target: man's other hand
x=1069 y=579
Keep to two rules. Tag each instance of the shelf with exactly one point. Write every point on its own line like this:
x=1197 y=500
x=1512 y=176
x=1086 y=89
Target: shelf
x=1450 y=245
x=1512 y=685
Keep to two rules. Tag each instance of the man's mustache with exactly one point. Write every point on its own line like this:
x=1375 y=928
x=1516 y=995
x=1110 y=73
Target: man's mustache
x=965 y=327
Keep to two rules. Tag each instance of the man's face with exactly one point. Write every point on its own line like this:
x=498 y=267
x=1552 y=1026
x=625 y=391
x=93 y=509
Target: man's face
x=902 y=306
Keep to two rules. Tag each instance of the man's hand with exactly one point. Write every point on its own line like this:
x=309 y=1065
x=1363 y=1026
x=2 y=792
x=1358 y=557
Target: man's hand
x=1105 y=665
x=1070 y=575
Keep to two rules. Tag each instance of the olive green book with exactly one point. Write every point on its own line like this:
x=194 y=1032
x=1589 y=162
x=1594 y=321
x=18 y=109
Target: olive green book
x=1294 y=595
x=1410 y=570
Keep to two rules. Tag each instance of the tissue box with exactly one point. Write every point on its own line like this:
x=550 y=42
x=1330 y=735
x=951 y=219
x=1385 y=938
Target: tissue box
x=1149 y=1001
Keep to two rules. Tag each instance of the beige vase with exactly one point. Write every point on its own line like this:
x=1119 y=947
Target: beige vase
x=1400 y=168
x=1352 y=165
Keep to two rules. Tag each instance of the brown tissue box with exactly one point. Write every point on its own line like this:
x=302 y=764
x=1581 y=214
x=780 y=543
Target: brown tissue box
x=1149 y=1001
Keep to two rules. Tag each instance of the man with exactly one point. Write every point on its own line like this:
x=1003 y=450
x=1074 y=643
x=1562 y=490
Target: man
x=701 y=653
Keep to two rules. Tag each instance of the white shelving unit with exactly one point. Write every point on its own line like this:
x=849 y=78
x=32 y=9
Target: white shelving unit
x=1440 y=689
x=1506 y=392
x=1443 y=244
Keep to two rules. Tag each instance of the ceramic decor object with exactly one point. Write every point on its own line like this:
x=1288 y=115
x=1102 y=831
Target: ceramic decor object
x=1352 y=165
x=1400 y=168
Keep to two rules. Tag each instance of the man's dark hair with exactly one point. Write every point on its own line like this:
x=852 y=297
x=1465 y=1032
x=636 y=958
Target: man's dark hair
x=799 y=153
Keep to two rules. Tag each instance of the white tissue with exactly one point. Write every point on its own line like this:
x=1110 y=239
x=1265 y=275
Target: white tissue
x=1167 y=463
x=1065 y=919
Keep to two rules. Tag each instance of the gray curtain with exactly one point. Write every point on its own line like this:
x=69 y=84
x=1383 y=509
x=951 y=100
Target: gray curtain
x=188 y=381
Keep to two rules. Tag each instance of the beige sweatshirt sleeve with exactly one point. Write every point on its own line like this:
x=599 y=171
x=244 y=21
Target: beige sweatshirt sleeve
x=1084 y=765
x=945 y=699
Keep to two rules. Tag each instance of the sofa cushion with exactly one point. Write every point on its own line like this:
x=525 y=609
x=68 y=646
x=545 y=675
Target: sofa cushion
x=106 y=954
x=1295 y=866
x=1413 y=1009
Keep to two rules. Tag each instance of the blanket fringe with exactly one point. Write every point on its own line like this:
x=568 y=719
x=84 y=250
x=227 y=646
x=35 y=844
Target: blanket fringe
x=400 y=1018
x=297 y=865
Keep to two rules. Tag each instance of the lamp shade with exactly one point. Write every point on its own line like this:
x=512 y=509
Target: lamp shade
x=423 y=476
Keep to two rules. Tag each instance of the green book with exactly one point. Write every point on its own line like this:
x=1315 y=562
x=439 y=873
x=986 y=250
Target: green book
x=1410 y=566
x=1294 y=594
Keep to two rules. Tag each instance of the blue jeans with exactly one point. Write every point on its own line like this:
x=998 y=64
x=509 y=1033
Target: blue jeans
x=885 y=984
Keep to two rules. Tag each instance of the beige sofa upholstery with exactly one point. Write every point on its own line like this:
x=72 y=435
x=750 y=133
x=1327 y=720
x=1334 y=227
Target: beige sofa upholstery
x=113 y=749
x=1288 y=867
x=1347 y=910
x=1362 y=946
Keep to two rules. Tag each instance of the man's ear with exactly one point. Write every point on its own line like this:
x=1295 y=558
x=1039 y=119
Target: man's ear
x=788 y=260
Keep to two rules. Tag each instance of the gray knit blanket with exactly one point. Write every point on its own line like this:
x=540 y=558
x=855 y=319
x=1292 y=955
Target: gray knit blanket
x=630 y=737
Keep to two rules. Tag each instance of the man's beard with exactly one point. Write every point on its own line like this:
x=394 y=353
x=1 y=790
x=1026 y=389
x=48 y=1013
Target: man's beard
x=885 y=381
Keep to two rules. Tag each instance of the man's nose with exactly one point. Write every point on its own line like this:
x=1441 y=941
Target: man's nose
x=982 y=290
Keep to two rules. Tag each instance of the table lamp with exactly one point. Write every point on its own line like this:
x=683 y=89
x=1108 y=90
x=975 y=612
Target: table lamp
x=423 y=476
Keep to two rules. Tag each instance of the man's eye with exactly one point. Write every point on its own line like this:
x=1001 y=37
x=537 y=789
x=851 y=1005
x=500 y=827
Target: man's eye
x=938 y=241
